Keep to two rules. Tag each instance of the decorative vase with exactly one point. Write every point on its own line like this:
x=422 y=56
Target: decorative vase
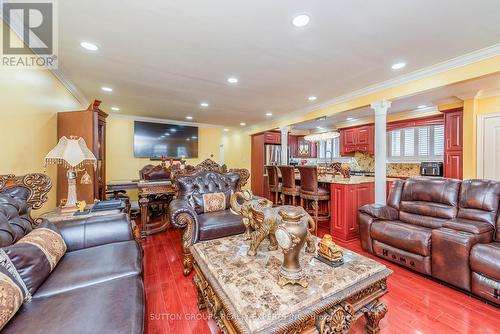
x=291 y=235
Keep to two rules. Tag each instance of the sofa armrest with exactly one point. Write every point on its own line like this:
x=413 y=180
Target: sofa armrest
x=96 y=231
x=183 y=216
x=470 y=226
x=381 y=212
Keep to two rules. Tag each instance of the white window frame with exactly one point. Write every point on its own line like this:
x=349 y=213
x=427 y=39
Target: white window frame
x=415 y=157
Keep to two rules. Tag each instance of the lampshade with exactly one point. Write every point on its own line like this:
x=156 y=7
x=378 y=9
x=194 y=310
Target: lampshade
x=72 y=153
x=322 y=136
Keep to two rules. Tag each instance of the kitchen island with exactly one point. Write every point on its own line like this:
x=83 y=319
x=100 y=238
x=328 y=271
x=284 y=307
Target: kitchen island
x=346 y=197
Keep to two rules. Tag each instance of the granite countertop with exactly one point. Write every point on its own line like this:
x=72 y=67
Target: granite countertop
x=351 y=180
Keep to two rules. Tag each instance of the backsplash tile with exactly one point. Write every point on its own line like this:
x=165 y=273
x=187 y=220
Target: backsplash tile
x=366 y=162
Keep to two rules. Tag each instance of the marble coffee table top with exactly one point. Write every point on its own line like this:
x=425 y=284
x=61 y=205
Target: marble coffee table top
x=248 y=285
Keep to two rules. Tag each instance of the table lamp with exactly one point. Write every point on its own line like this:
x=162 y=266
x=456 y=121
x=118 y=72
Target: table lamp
x=74 y=155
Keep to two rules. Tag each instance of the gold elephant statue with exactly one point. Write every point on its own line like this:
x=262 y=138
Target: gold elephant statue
x=261 y=221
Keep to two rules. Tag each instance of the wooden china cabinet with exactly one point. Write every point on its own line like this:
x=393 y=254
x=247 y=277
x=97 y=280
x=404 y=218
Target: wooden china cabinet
x=453 y=146
x=90 y=124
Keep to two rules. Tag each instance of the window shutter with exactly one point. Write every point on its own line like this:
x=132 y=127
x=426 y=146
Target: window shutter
x=439 y=140
x=409 y=142
x=424 y=141
x=396 y=143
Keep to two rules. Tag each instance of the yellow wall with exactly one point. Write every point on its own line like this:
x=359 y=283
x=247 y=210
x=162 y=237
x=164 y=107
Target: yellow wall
x=472 y=108
x=28 y=125
x=121 y=163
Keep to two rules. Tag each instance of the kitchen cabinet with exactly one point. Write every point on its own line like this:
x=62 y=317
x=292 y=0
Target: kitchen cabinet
x=292 y=146
x=453 y=140
x=257 y=166
x=272 y=138
x=306 y=149
x=358 y=139
x=453 y=164
x=346 y=199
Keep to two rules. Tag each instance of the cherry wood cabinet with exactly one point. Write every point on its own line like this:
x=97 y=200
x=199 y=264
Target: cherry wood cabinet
x=257 y=166
x=346 y=199
x=357 y=139
x=292 y=146
x=272 y=138
x=453 y=161
x=453 y=139
x=306 y=149
x=90 y=124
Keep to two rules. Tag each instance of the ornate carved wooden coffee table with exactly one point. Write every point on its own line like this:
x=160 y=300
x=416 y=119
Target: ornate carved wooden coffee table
x=243 y=297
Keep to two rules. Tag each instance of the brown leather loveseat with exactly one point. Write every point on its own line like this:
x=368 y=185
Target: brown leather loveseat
x=444 y=228
x=97 y=286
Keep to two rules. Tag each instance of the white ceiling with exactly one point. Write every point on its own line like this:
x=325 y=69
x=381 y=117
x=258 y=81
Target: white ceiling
x=431 y=98
x=163 y=58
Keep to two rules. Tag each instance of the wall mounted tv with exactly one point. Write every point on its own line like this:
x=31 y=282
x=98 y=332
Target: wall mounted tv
x=152 y=140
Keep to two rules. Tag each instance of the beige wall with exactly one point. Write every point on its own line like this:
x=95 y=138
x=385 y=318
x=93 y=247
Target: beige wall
x=28 y=122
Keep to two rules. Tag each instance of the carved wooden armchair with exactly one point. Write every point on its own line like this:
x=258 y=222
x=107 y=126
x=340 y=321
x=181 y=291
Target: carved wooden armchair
x=189 y=210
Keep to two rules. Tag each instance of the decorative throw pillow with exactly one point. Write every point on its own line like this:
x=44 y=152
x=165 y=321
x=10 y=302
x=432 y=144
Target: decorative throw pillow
x=214 y=202
x=36 y=254
x=12 y=295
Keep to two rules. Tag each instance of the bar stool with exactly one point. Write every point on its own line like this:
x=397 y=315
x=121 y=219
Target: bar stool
x=273 y=184
x=288 y=187
x=310 y=192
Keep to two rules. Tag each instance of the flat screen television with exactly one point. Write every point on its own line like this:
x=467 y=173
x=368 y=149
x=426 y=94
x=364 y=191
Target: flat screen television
x=152 y=140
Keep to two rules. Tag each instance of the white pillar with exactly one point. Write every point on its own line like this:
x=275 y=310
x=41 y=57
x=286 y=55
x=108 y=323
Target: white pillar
x=380 y=108
x=284 y=144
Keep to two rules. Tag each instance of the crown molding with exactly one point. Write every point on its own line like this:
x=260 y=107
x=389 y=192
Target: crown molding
x=469 y=58
x=165 y=121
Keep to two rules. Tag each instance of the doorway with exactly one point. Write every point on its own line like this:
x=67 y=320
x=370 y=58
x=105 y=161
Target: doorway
x=488 y=146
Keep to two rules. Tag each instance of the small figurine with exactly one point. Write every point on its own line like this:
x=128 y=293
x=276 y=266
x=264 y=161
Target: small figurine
x=81 y=205
x=328 y=250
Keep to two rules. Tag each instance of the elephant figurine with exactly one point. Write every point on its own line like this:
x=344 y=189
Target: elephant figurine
x=261 y=221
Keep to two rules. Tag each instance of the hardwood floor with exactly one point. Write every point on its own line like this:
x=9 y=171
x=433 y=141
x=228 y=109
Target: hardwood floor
x=416 y=304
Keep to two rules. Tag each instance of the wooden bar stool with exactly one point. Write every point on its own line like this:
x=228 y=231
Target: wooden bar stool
x=310 y=192
x=273 y=184
x=288 y=187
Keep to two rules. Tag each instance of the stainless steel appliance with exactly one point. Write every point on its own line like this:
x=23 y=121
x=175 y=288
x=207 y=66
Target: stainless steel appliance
x=272 y=155
x=431 y=168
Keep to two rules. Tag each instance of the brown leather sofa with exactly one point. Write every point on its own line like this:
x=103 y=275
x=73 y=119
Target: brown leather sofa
x=443 y=228
x=186 y=211
x=97 y=285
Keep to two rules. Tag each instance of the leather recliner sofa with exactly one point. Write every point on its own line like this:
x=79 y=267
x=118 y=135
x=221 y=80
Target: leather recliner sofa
x=444 y=228
x=97 y=286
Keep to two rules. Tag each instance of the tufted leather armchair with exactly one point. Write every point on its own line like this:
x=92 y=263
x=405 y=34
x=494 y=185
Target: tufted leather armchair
x=187 y=211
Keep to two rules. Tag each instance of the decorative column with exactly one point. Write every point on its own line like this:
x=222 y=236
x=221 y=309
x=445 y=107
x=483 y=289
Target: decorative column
x=380 y=108
x=284 y=144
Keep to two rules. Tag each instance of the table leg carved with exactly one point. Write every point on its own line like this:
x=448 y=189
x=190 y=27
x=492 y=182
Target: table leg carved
x=152 y=189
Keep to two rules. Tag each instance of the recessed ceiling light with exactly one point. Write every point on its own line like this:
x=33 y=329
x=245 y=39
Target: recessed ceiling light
x=243 y=123
x=349 y=118
x=204 y=104
x=107 y=89
x=189 y=117
x=115 y=108
x=226 y=130
x=398 y=66
x=301 y=20
x=422 y=106
x=312 y=98
x=269 y=114
x=89 y=46
x=173 y=130
x=232 y=80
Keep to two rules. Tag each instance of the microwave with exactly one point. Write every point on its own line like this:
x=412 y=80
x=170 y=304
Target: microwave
x=431 y=168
